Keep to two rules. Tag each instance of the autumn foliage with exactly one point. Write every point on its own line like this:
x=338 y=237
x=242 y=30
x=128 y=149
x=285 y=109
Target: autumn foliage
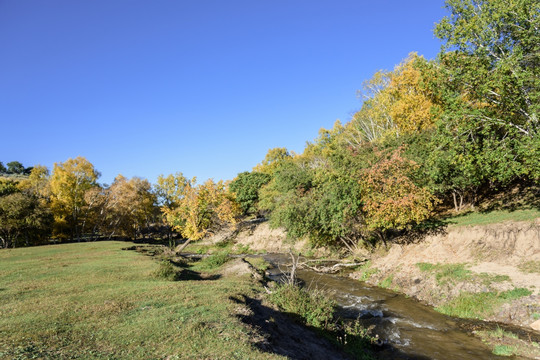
x=392 y=200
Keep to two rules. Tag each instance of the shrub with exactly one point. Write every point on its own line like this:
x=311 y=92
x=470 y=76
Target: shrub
x=213 y=261
x=166 y=271
x=312 y=307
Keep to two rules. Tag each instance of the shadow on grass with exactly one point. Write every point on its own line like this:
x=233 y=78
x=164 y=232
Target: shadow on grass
x=274 y=332
x=186 y=274
x=278 y=333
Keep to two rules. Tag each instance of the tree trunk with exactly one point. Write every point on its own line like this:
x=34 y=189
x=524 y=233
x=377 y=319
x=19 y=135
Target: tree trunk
x=182 y=247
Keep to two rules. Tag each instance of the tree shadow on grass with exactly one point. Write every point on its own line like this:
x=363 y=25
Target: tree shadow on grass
x=190 y=275
x=276 y=332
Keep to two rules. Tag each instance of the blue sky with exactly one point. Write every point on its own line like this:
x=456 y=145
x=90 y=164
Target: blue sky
x=204 y=87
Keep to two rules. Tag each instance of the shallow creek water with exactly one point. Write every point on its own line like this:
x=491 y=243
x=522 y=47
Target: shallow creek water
x=409 y=329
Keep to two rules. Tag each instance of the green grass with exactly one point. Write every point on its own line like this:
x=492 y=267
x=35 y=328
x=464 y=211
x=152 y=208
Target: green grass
x=493 y=217
x=530 y=267
x=445 y=273
x=504 y=350
x=450 y=273
x=212 y=262
x=258 y=263
x=504 y=343
x=479 y=305
x=387 y=282
x=96 y=301
x=366 y=271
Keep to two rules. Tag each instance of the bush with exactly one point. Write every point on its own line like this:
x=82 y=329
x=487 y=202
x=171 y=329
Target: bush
x=213 y=261
x=166 y=271
x=312 y=307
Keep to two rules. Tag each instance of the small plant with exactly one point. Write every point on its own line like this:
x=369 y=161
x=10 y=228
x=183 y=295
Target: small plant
x=311 y=306
x=504 y=350
x=426 y=267
x=366 y=271
x=530 y=267
x=354 y=338
x=243 y=249
x=479 y=305
x=387 y=282
x=213 y=261
x=536 y=316
x=500 y=334
x=258 y=263
x=166 y=271
x=487 y=279
x=445 y=273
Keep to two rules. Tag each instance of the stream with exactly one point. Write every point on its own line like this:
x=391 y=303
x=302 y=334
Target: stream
x=408 y=329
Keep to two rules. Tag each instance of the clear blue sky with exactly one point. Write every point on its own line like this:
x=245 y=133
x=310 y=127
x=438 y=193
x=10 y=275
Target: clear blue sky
x=205 y=87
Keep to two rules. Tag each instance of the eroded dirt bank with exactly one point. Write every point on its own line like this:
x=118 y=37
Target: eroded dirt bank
x=491 y=259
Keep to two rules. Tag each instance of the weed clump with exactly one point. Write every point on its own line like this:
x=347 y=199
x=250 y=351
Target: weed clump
x=213 y=261
x=312 y=307
x=166 y=271
x=480 y=305
x=366 y=271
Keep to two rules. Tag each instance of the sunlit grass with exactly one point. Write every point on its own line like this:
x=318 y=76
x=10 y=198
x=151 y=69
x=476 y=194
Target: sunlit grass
x=96 y=301
x=493 y=217
x=480 y=305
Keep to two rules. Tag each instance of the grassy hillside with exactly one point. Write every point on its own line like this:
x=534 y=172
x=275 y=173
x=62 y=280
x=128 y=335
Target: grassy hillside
x=96 y=301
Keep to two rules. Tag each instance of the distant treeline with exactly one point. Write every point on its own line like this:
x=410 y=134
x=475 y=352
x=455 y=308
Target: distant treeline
x=14 y=168
x=431 y=135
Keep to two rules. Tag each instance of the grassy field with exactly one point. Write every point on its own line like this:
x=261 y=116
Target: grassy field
x=97 y=301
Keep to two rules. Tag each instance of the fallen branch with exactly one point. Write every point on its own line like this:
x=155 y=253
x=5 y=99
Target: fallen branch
x=331 y=269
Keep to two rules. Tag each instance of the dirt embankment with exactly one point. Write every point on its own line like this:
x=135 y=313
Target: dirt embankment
x=257 y=236
x=488 y=258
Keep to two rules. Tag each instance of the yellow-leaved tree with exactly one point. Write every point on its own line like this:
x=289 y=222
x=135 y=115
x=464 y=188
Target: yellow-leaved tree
x=129 y=207
x=395 y=103
x=195 y=210
x=69 y=183
x=412 y=109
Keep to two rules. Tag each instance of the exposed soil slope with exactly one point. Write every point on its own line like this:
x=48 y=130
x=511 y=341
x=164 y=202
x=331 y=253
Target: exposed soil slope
x=494 y=258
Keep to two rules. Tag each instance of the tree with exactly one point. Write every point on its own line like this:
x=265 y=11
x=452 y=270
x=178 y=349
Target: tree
x=15 y=167
x=170 y=189
x=7 y=187
x=412 y=109
x=23 y=218
x=391 y=199
x=272 y=160
x=69 y=183
x=129 y=207
x=395 y=103
x=37 y=182
x=373 y=121
x=246 y=188
x=492 y=55
x=2 y=168
x=196 y=210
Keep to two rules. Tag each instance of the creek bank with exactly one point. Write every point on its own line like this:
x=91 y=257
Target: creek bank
x=486 y=259
x=497 y=262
